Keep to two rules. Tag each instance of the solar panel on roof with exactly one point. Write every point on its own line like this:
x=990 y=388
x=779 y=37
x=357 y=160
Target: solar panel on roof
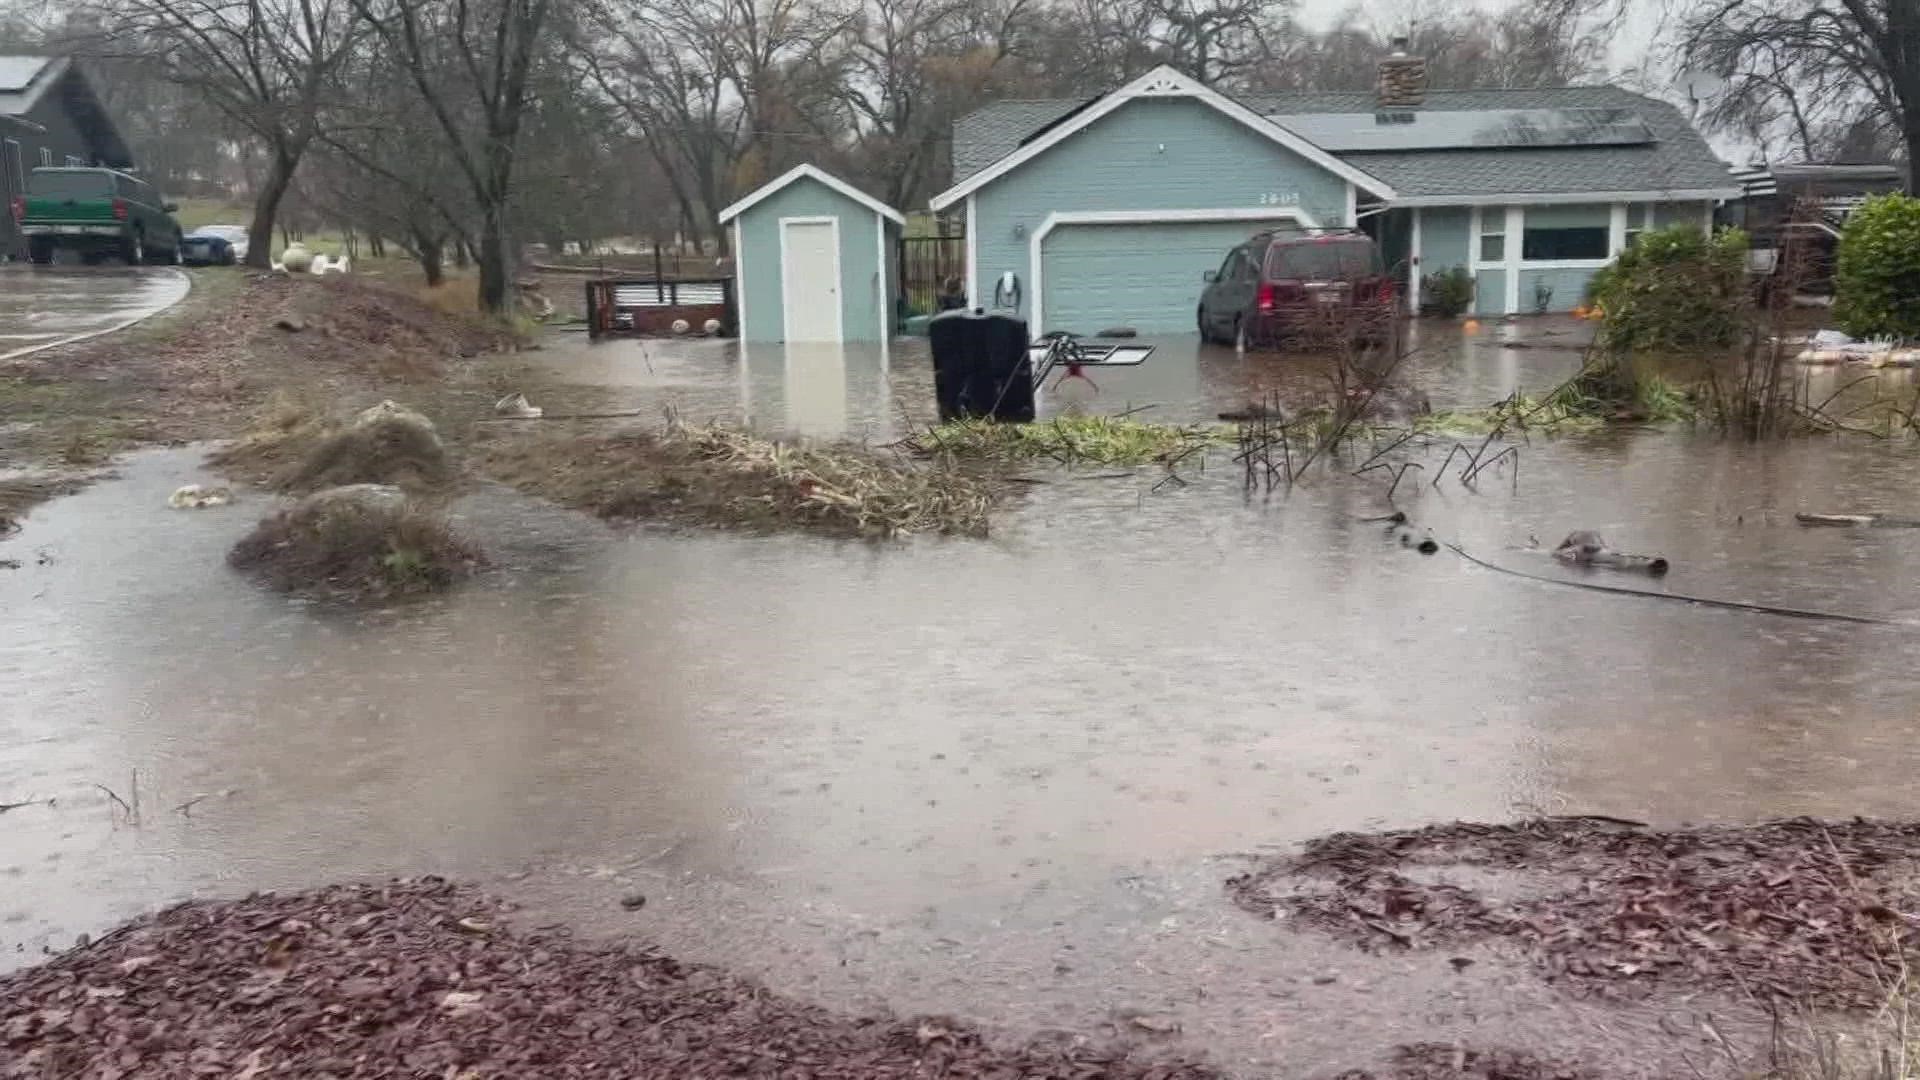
x=1480 y=129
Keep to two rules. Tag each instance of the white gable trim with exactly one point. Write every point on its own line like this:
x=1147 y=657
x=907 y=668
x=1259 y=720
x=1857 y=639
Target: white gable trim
x=811 y=173
x=1162 y=82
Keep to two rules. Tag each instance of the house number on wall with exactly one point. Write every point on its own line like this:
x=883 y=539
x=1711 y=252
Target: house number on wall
x=1280 y=198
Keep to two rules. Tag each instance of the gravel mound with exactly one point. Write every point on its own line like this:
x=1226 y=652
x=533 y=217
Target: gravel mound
x=418 y=978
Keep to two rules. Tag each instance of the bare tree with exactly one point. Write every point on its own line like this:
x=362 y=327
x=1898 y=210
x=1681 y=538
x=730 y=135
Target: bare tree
x=264 y=64
x=472 y=63
x=722 y=91
x=1809 y=66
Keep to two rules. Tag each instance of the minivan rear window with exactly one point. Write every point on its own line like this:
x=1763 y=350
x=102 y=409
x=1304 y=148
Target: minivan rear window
x=1324 y=261
x=69 y=185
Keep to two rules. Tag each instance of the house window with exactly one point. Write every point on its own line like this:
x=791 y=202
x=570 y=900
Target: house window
x=1493 y=235
x=1566 y=233
x=1639 y=219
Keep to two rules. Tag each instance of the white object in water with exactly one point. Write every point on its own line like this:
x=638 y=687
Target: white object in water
x=517 y=405
x=712 y=327
x=195 y=497
x=681 y=326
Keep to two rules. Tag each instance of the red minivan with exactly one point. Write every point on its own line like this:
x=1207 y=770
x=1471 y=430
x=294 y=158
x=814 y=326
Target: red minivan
x=1282 y=285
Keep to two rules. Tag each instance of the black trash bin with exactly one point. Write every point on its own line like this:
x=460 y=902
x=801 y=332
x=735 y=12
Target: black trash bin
x=980 y=366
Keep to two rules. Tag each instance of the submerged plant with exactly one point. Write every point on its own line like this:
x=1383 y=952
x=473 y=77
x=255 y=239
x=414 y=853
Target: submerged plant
x=1069 y=440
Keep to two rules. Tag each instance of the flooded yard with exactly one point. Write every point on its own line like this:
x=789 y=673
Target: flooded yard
x=1002 y=779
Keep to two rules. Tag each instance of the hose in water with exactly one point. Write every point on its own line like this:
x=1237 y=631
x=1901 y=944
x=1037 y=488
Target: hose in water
x=1731 y=605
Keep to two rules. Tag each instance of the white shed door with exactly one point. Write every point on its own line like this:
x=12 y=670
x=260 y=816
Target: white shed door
x=810 y=278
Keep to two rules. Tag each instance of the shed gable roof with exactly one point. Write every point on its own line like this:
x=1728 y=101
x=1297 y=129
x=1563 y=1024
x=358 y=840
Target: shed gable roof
x=1678 y=159
x=1040 y=128
x=809 y=172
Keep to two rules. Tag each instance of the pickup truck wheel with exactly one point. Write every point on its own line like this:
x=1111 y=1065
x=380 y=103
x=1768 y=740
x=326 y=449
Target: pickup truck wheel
x=40 y=251
x=134 y=250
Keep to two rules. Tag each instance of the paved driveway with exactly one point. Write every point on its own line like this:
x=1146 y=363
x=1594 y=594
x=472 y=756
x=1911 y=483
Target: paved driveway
x=41 y=305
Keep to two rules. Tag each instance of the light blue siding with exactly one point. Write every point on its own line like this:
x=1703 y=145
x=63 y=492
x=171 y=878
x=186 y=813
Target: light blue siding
x=1569 y=288
x=1149 y=275
x=865 y=286
x=1490 y=292
x=1445 y=238
x=1679 y=213
x=1570 y=216
x=1149 y=154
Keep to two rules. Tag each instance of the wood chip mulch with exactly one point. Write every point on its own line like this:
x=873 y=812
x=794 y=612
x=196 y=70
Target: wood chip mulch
x=418 y=979
x=1801 y=909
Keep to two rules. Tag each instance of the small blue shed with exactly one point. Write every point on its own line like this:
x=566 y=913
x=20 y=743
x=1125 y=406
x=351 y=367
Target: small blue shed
x=811 y=260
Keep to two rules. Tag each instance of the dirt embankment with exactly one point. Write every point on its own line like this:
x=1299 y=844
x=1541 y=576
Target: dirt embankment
x=208 y=367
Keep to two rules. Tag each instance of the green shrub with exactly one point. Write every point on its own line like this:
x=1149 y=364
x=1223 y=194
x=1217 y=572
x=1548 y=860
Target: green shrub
x=1675 y=289
x=1877 y=279
x=1448 y=293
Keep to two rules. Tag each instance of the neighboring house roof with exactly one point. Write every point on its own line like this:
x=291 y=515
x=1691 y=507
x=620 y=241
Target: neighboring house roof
x=812 y=173
x=1677 y=160
x=26 y=80
x=1162 y=82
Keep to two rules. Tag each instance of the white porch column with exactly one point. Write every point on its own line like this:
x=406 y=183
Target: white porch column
x=1516 y=238
x=1616 y=230
x=1413 y=267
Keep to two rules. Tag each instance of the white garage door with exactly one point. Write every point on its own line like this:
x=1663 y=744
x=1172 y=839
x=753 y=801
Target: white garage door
x=1143 y=275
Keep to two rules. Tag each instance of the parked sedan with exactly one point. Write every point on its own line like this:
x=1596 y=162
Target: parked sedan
x=215 y=245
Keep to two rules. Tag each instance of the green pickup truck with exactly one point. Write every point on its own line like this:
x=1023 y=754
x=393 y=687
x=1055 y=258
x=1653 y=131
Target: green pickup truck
x=99 y=213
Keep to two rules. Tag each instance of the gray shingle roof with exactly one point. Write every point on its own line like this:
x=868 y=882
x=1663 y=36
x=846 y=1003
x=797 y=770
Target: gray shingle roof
x=1679 y=159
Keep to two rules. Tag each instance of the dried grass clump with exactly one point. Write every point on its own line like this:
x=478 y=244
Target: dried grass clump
x=296 y=448
x=721 y=476
x=358 y=542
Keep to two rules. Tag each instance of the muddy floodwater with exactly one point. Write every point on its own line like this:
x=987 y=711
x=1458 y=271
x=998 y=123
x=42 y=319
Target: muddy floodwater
x=1000 y=779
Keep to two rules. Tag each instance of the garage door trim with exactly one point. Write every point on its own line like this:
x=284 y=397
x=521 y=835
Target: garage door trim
x=1142 y=217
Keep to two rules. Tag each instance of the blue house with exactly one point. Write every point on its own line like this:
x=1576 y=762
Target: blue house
x=1108 y=212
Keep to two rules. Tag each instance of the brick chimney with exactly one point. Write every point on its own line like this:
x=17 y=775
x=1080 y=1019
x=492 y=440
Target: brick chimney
x=1403 y=79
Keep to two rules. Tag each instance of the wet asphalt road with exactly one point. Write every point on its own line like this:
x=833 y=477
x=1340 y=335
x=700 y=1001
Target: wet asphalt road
x=41 y=305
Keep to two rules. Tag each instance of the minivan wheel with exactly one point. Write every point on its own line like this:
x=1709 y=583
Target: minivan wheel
x=1200 y=323
x=1240 y=335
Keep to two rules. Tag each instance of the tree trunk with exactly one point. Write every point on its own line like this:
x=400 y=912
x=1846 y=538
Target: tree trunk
x=1910 y=134
x=496 y=260
x=266 y=208
x=377 y=246
x=429 y=251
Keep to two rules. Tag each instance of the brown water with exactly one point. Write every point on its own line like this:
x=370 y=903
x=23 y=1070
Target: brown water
x=1002 y=779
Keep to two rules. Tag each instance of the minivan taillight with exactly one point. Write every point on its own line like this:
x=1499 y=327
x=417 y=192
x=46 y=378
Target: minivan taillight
x=1264 y=299
x=120 y=209
x=19 y=209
